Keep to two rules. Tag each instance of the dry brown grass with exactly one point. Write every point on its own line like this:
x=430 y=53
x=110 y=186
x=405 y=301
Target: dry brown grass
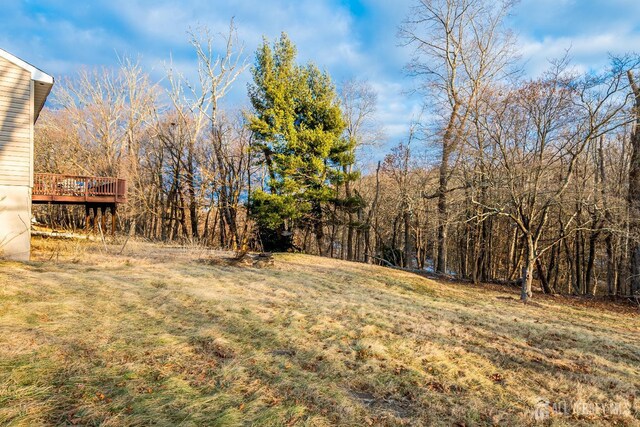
x=156 y=336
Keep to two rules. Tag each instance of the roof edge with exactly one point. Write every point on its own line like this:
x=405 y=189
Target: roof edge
x=36 y=73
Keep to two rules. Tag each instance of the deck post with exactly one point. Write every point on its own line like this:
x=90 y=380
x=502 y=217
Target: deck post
x=103 y=219
x=114 y=217
x=95 y=220
x=87 y=222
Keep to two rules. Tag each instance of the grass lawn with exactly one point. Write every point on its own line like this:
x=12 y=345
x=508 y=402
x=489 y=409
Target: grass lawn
x=169 y=336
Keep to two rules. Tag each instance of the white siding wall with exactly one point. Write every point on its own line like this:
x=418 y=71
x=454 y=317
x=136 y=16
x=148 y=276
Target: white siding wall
x=16 y=153
x=15 y=222
x=16 y=125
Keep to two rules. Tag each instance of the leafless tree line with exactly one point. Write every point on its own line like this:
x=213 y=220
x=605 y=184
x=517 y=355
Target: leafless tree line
x=502 y=179
x=535 y=176
x=187 y=162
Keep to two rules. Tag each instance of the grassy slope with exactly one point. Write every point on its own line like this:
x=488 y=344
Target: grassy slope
x=155 y=335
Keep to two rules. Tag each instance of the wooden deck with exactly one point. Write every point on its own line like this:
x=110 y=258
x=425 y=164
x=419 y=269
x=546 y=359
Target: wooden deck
x=78 y=190
x=96 y=194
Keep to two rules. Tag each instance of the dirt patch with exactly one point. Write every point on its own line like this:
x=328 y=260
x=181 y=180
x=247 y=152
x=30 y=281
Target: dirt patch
x=379 y=406
x=261 y=260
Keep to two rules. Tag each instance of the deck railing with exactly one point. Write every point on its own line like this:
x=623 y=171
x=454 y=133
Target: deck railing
x=49 y=187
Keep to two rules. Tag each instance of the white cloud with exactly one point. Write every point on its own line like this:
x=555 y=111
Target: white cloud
x=587 y=51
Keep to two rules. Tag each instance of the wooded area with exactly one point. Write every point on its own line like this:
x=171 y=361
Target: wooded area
x=502 y=178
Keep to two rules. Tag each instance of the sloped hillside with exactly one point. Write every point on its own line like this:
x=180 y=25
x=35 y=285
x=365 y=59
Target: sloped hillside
x=180 y=337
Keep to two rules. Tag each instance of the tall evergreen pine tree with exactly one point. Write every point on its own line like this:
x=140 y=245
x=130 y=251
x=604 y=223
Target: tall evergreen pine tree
x=298 y=124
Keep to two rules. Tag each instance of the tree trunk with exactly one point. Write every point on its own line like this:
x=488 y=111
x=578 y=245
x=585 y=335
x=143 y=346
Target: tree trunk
x=318 y=229
x=527 y=270
x=348 y=196
x=191 y=190
x=543 y=278
x=634 y=191
x=611 y=266
x=408 y=252
x=448 y=145
x=511 y=256
x=486 y=250
x=589 y=279
x=553 y=268
x=578 y=262
x=370 y=214
x=441 y=265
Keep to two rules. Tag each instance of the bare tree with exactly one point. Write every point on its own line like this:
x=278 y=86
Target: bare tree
x=217 y=74
x=358 y=102
x=460 y=47
x=401 y=167
x=201 y=101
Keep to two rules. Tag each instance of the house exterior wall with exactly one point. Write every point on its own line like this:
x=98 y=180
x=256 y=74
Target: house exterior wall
x=15 y=221
x=16 y=160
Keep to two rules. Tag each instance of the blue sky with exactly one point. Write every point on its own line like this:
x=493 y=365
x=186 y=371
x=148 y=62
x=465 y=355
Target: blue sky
x=349 y=38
